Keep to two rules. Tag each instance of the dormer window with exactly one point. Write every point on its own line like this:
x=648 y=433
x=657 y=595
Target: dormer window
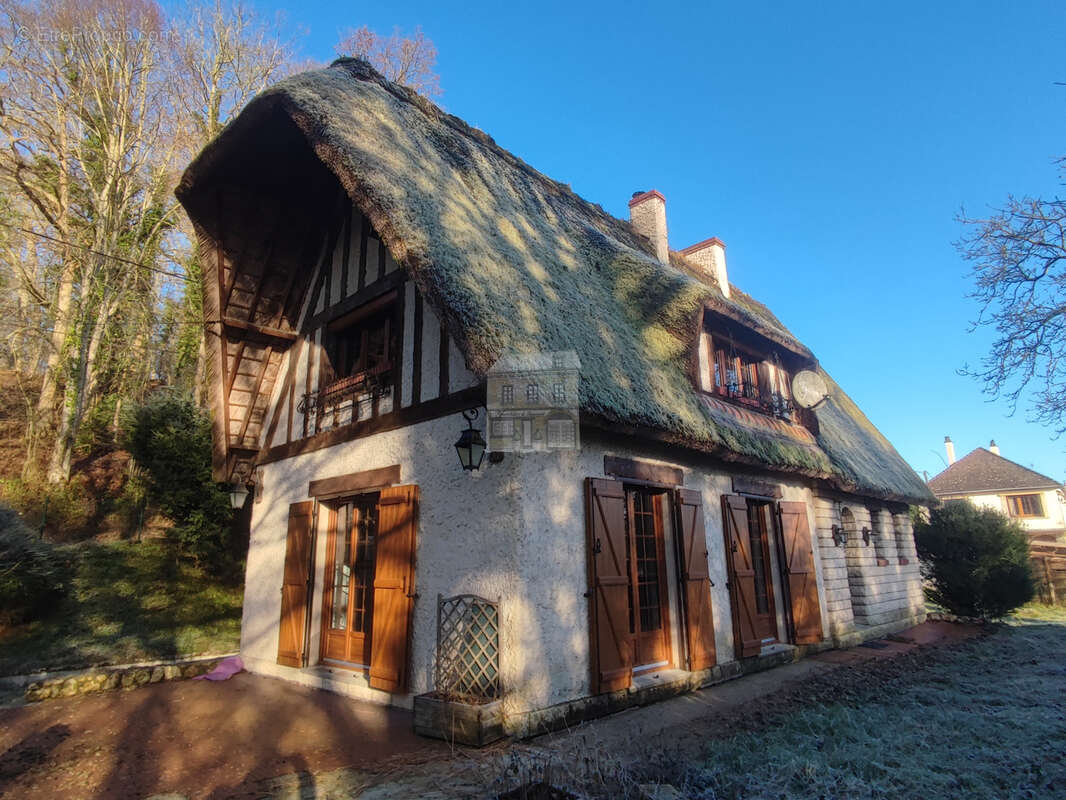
x=742 y=374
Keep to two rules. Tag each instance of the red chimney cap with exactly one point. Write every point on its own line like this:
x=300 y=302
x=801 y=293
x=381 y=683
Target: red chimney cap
x=695 y=248
x=640 y=198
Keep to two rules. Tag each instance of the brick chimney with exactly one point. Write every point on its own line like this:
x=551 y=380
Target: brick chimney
x=993 y=447
x=709 y=255
x=950 y=447
x=647 y=215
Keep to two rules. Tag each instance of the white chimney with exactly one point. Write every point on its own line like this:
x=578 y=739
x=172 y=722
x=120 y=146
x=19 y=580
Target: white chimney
x=709 y=255
x=647 y=215
x=950 y=447
x=993 y=447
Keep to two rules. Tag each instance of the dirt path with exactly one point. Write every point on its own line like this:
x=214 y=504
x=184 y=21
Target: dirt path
x=199 y=738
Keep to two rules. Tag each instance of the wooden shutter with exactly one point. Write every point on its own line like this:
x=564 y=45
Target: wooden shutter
x=294 y=585
x=741 y=575
x=800 y=580
x=695 y=581
x=611 y=637
x=394 y=573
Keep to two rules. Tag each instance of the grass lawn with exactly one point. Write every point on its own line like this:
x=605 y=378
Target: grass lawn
x=127 y=602
x=981 y=719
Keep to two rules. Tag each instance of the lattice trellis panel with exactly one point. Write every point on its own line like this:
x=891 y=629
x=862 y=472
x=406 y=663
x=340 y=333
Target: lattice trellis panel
x=468 y=646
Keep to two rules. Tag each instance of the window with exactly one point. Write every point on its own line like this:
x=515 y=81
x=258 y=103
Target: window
x=559 y=393
x=561 y=433
x=503 y=428
x=532 y=393
x=507 y=394
x=749 y=378
x=1025 y=505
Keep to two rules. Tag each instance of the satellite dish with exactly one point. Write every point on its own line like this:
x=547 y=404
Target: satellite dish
x=809 y=389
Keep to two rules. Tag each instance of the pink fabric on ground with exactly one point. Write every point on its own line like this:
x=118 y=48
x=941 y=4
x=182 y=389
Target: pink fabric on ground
x=224 y=670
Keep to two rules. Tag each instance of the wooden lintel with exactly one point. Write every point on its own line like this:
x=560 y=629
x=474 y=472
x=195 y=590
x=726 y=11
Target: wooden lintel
x=639 y=470
x=355 y=482
x=744 y=484
x=360 y=298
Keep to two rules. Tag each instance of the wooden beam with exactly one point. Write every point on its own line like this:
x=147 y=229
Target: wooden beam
x=442 y=363
x=270 y=334
x=255 y=396
x=347 y=252
x=364 y=236
x=398 y=418
x=355 y=482
x=328 y=314
x=643 y=470
x=416 y=352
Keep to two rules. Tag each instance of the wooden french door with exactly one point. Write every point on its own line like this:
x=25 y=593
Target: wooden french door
x=646 y=565
x=348 y=599
x=759 y=527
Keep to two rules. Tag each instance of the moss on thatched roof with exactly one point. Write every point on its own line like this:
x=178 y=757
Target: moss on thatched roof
x=516 y=262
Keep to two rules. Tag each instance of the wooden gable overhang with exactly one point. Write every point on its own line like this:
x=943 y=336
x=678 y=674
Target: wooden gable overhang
x=262 y=220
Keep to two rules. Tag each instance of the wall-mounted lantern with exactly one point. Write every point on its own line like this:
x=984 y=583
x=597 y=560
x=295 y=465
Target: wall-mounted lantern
x=238 y=490
x=840 y=536
x=471 y=445
x=866 y=536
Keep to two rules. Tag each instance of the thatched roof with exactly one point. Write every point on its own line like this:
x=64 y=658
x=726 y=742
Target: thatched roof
x=514 y=261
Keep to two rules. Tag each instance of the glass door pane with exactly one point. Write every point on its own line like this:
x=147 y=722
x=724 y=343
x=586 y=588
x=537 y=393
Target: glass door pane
x=342 y=569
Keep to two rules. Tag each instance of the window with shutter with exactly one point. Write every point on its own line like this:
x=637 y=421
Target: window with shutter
x=695 y=580
x=609 y=604
x=394 y=588
x=805 y=613
x=747 y=635
x=294 y=585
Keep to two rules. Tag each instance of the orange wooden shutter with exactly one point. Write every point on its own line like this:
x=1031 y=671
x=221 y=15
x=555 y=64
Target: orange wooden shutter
x=741 y=575
x=695 y=581
x=394 y=573
x=801 y=582
x=294 y=585
x=612 y=639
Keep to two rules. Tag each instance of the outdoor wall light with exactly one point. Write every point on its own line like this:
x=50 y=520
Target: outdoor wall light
x=840 y=536
x=238 y=493
x=471 y=445
x=866 y=536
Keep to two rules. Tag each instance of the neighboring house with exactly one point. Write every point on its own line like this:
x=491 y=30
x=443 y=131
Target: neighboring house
x=987 y=479
x=367 y=260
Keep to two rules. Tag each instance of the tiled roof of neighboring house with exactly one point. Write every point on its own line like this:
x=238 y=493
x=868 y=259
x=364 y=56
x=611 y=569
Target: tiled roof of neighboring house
x=984 y=471
x=514 y=261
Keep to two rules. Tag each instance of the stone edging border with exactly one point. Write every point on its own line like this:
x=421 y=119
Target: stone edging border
x=47 y=686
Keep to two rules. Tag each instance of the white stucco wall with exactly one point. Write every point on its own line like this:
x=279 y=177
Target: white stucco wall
x=515 y=532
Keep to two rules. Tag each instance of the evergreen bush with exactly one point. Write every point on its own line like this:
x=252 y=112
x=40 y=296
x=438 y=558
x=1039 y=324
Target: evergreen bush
x=170 y=439
x=975 y=560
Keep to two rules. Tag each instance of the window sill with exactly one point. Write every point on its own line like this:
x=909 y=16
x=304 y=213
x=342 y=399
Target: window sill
x=883 y=562
x=904 y=561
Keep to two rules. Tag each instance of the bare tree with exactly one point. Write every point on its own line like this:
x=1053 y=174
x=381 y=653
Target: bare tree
x=406 y=60
x=1019 y=265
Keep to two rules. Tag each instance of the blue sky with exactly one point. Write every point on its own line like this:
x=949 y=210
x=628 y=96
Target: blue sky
x=830 y=145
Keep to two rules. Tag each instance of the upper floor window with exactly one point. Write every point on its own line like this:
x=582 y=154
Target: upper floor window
x=559 y=393
x=747 y=377
x=507 y=394
x=1025 y=505
x=532 y=393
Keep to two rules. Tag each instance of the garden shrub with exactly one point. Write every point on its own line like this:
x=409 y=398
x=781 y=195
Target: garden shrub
x=31 y=571
x=975 y=560
x=170 y=439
